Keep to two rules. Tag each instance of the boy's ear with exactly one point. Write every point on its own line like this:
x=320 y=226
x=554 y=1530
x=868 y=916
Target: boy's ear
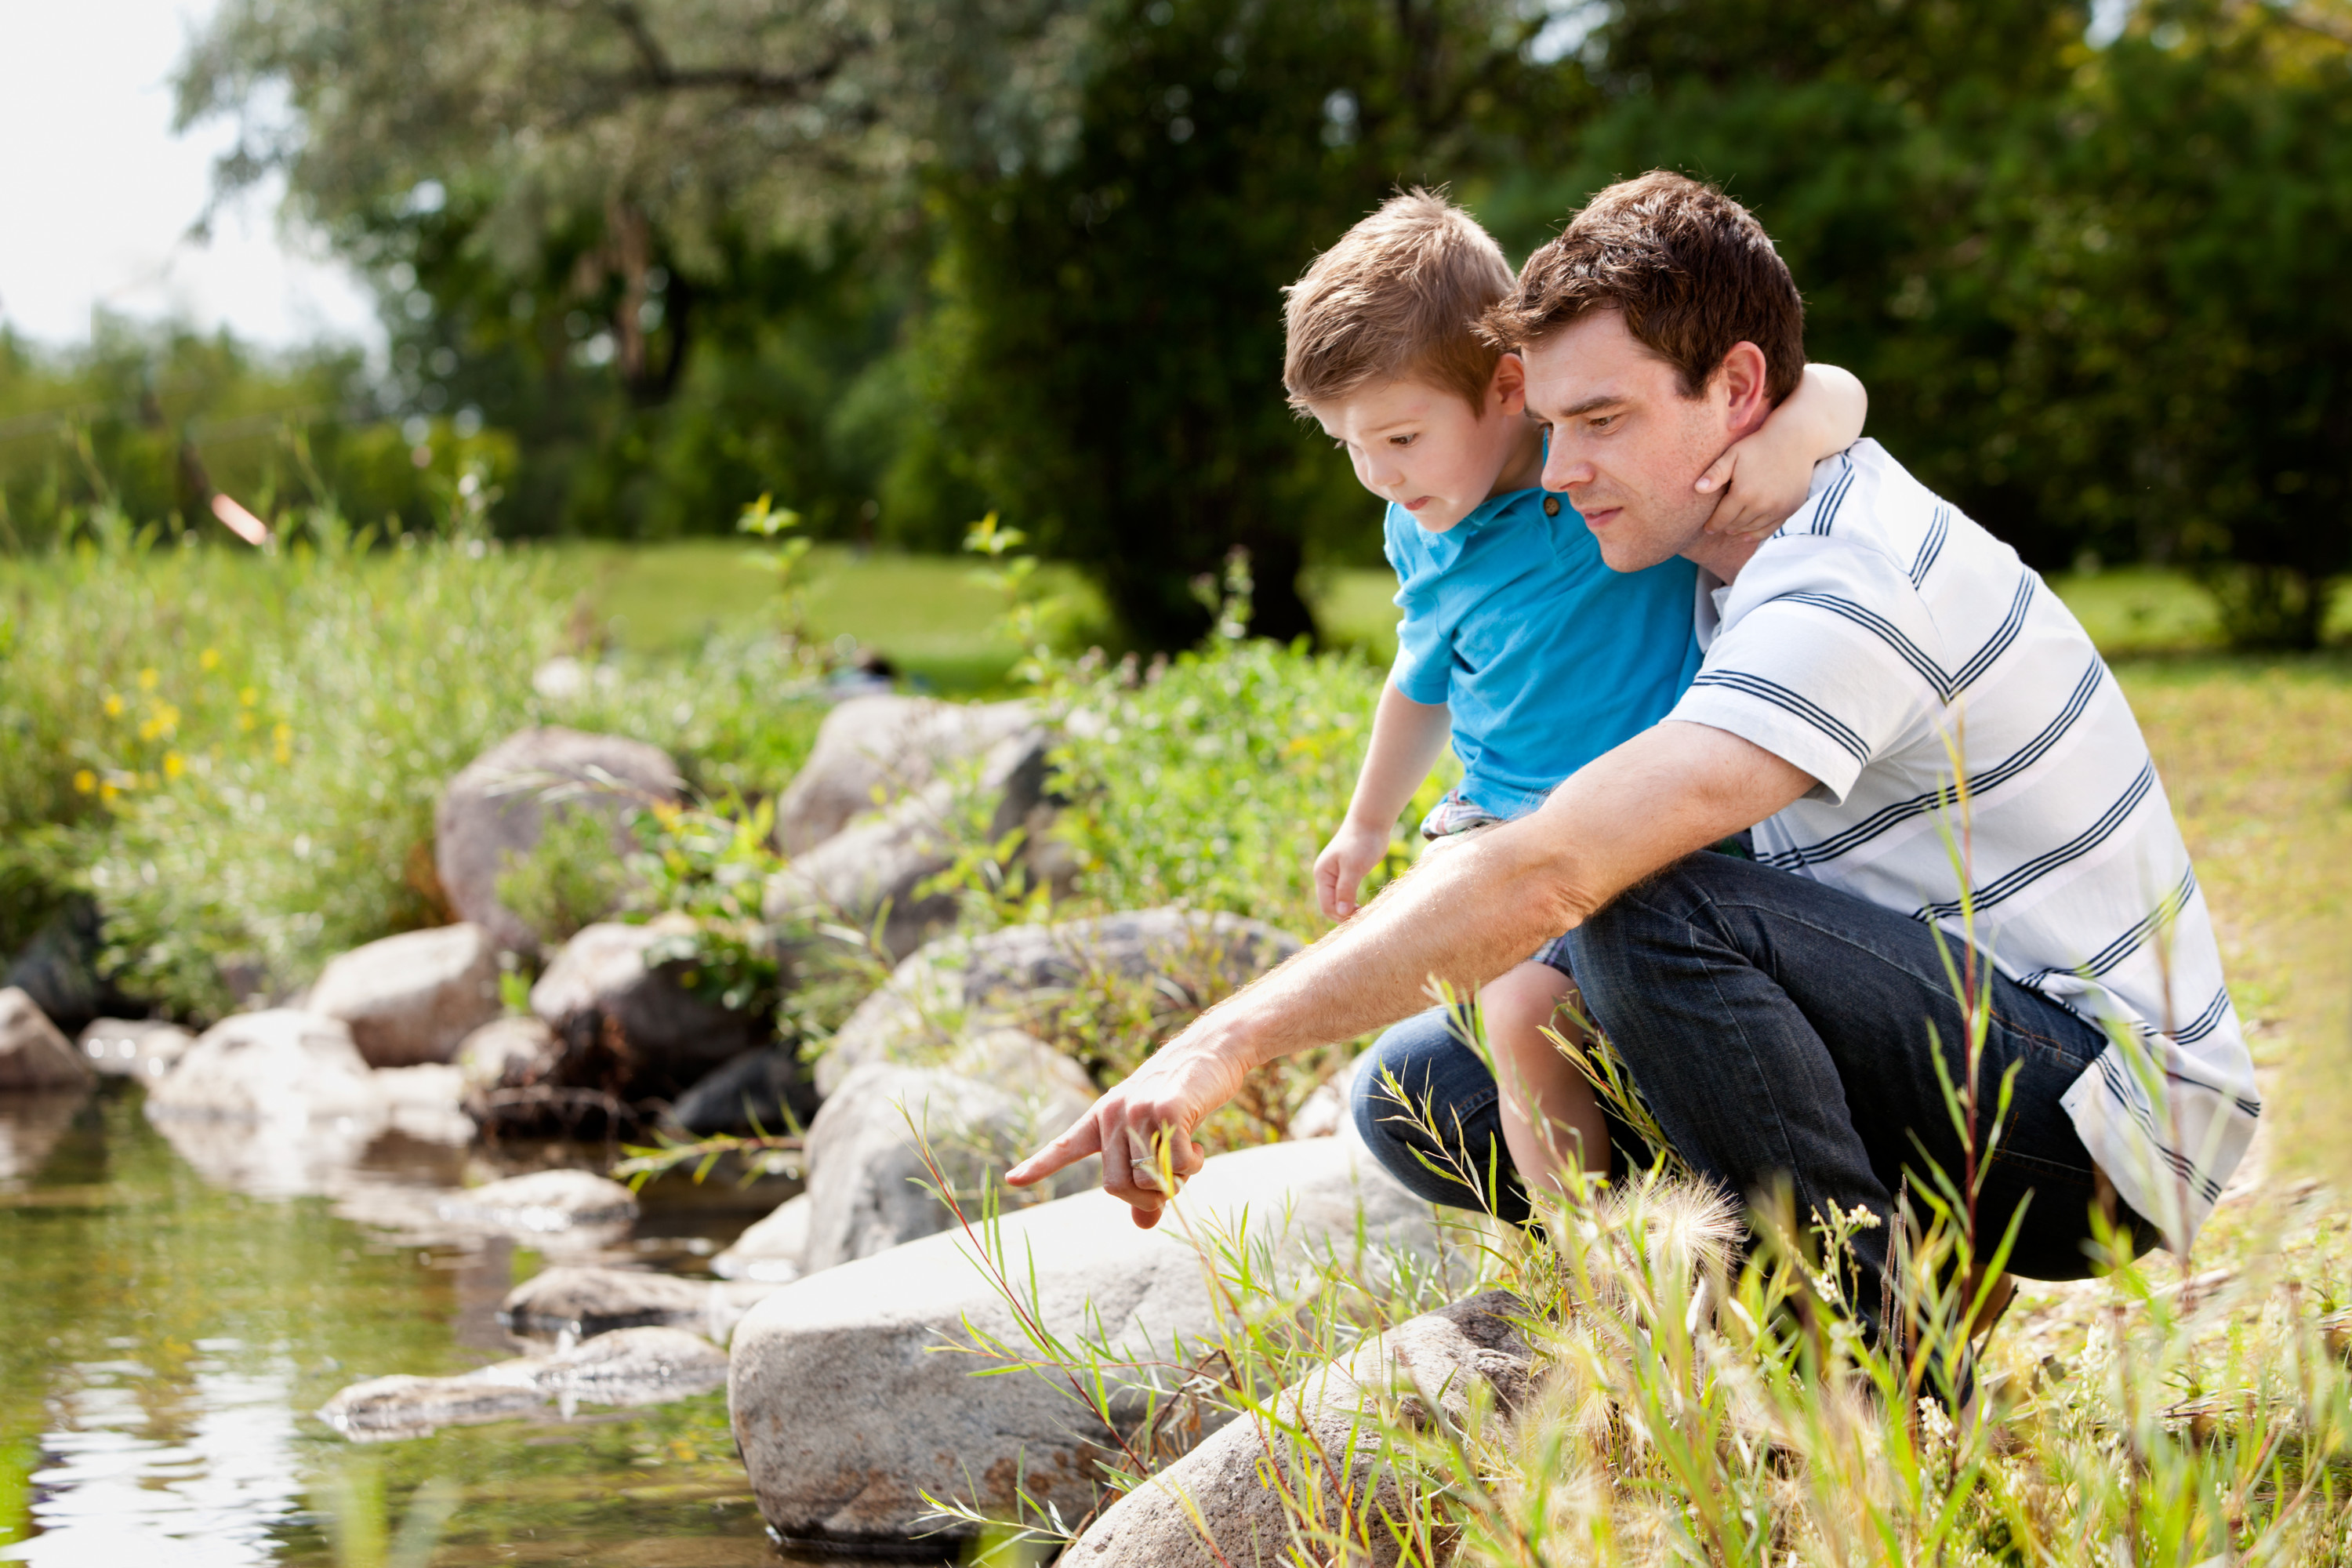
x=1507 y=390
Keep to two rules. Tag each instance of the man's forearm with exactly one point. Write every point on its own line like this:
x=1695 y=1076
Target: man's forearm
x=1470 y=914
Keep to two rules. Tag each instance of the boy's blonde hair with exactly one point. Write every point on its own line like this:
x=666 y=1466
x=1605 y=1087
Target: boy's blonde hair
x=1400 y=295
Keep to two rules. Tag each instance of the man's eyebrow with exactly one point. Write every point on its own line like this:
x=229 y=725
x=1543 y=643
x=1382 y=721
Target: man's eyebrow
x=1587 y=406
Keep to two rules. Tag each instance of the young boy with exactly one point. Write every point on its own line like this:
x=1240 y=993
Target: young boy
x=1516 y=641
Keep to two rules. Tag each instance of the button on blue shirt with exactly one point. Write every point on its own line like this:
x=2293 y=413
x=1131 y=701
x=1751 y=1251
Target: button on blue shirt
x=1546 y=657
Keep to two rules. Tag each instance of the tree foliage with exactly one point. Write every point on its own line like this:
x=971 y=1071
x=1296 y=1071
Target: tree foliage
x=898 y=262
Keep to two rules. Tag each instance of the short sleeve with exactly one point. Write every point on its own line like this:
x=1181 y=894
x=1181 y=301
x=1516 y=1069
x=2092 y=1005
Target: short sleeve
x=1423 y=668
x=1826 y=658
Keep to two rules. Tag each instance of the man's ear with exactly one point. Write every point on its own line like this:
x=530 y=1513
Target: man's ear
x=1744 y=380
x=1506 y=391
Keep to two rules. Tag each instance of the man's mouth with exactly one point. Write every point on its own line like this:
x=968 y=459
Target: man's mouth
x=1600 y=518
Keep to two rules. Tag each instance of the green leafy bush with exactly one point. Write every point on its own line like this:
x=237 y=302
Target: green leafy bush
x=239 y=754
x=1215 y=779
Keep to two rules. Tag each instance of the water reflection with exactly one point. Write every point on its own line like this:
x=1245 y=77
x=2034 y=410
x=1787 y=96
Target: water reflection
x=165 y=1340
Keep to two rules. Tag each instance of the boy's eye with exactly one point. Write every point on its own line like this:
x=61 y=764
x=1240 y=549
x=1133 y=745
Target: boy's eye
x=1401 y=440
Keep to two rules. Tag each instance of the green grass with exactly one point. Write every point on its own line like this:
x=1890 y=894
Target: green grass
x=926 y=612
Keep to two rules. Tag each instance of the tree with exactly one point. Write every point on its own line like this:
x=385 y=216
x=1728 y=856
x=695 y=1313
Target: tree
x=1107 y=354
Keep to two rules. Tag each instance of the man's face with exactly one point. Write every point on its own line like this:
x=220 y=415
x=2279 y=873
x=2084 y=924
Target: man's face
x=1626 y=445
x=1425 y=448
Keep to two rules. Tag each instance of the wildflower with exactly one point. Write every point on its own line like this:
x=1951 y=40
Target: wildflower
x=284 y=736
x=148 y=679
x=209 y=658
x=107 y=792
x=246 y=721
x=113 y=705
x=85 y=782
x=174 y=765
x=150 y=729
x=248 y=697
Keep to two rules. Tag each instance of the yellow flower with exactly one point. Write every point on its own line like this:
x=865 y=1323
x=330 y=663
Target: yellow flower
x=107 y=792
x=248 y=697
x=246 y=721
x=173 y=764
x=209 y=658
x=150 y=729
x=114 y=705
x=167 y=716
x=284 y=735
x=148 y=679
x=85 y=782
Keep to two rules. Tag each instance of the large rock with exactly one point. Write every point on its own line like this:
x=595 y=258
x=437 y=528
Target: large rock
x=772 y=1249
x=884 y=861
x=509 y=1053
x=1214 y=1508
x=494 y=809
x=628 y=1027
x=133 y=1048
x=846 y=1415
x=1027 y=976
x=872 y=750
x=631 y=1367
x=58 y=969
x=870 y=1186
x=581 y=1304
x=546 y=1203
x=769 y=1089
x=414 y=997
x=35 y=1059
x=278 y=1067
x=278 y=1103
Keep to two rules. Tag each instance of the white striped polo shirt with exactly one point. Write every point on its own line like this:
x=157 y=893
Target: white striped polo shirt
x=1880 y=638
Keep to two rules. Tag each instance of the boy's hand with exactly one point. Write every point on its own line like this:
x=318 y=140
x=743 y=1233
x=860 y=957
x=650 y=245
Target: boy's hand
x=1757 y=484
x=1346 y=861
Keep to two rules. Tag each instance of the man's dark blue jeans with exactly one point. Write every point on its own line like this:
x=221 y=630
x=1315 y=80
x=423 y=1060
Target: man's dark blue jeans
x=1781 y=1028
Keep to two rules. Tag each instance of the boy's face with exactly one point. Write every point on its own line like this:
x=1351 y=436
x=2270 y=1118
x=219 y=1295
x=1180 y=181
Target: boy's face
x=1425 y=448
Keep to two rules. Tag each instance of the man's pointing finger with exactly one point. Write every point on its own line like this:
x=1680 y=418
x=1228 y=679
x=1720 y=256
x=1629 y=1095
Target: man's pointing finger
x=1084 y=1138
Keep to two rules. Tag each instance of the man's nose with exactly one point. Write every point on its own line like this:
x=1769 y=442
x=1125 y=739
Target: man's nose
x=1563 y=470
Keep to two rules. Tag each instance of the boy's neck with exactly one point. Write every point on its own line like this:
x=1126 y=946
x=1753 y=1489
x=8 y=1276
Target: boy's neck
x=1523 y=471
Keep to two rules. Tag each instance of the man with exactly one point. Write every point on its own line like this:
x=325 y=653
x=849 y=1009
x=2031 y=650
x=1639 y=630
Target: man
x=1781 y=1015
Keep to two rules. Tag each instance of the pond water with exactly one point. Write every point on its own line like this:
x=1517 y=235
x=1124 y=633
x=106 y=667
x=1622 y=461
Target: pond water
x=163 y=1344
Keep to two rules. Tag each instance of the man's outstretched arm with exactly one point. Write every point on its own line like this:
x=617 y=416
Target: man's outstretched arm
x=1465 y=917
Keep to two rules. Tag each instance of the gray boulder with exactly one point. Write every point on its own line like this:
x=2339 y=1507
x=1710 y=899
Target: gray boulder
x=1214 y=1509
x=1027 y=976
x=277 y=1067
x=414 y=997
x=547 y=1204
x=509 y=1053
x=886 y=859
x=772 y=1251
x=583 y=1303
x=769 y=1088
x=872 y=750
x=495 y=808
x=869 y=1185
x=35 y=1059
x=133 y=1048
x=630 y=1367
x=846 y=1415
x=628 y=1027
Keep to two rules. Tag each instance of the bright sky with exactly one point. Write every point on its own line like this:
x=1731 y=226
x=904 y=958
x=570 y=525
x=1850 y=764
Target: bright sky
x=97 y=195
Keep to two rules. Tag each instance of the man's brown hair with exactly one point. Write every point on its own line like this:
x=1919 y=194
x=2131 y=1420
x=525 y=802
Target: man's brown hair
x=1400 y=295
x=1692 y=270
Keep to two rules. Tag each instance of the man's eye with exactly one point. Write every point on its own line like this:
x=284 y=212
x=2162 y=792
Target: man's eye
x=1604 y=422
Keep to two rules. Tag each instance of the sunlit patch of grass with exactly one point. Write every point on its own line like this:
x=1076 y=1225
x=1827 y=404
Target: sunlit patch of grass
x=2256 y=756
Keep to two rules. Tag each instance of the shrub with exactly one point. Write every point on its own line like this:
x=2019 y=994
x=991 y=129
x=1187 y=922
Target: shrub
x=239 y=754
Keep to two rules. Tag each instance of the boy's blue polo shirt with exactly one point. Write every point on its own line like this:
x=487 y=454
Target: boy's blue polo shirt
x=1546 y=656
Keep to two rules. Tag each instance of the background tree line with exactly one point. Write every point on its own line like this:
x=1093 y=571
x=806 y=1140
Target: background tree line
x=900 y=261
